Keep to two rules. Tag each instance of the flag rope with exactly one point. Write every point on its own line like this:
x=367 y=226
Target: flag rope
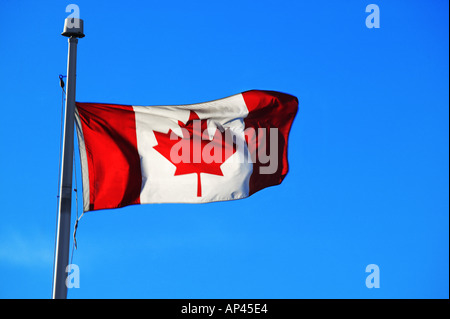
x=63 y=96
x=75 y=227
x=74 y=243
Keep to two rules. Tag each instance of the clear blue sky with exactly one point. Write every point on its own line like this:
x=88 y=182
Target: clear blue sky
x=368 y=151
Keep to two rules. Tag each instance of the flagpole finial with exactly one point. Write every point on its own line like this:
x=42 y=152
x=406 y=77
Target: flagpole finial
x=73 y=27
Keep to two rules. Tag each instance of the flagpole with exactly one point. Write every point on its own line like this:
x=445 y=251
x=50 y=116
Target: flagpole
x=73 y=29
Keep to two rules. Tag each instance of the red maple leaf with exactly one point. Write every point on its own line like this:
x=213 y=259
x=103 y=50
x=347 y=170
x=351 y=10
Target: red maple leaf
x=219 y=149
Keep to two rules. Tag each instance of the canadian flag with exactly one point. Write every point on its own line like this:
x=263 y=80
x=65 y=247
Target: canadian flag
x=214 y=151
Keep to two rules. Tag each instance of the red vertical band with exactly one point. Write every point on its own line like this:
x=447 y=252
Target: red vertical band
x=269 y=109
x=109 y=133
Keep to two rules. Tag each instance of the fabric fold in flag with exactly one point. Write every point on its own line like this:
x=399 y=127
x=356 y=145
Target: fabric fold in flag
x=213 y=151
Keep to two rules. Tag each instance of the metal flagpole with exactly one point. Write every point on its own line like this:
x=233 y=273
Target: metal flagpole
x=73 y=29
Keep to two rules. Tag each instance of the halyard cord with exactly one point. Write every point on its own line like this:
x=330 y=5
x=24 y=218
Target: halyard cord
x=63 y=95
x=74 y=244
